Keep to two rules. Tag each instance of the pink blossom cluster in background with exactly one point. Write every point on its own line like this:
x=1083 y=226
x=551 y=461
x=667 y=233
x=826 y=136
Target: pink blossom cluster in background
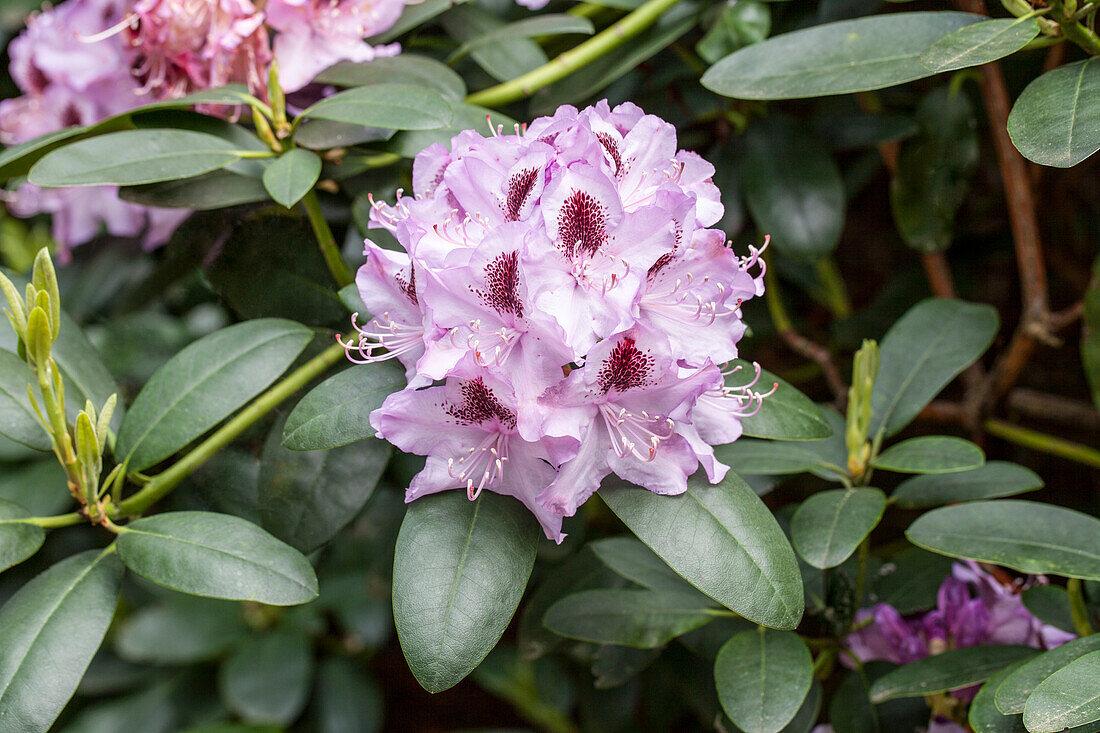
x=565 y=286
x=86 y=60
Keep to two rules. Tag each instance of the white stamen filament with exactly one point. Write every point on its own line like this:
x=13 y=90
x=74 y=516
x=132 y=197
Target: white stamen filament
x=742 y=401
x=484 y=462
x=381 y=333
x=639 y=435
x=489 y=347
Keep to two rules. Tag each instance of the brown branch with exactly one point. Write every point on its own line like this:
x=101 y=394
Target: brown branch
x=1054 y=408
x=821 y=356
x=1020 y=202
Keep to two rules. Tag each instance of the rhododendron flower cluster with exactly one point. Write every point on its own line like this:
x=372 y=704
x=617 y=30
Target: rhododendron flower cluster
x=563 y=312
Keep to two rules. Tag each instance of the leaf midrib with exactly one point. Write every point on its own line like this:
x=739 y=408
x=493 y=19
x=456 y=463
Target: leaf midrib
x=182 y=395
x=53 y=611
x=219 y=551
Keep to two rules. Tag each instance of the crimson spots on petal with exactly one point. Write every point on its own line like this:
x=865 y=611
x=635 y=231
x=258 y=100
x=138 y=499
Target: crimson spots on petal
x=480 y=404
x=502 y=285
x=408 y=287
x=626 y=367
x=519 y=191
x=582 y=224
x=659 y=265
x=612 y=148
x=70 y=116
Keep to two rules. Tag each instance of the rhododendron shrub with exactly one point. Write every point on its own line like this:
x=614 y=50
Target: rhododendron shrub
x=569 y=360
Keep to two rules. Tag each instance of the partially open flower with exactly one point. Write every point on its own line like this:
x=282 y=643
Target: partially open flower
x=565 y=278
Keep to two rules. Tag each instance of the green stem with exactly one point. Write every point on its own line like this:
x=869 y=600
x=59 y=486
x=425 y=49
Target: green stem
x=162 y=484
x=575 y=58
x=1043 y=442
x=836 y=294
x=1077 y=609
x=61 y=520
x=327 y=242
x=861 y=569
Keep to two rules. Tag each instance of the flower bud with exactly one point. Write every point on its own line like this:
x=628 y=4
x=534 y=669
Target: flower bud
x=88 y=455
x=864 y=370
x=103 y=425
x=45 y=280
x=17 y=314
x=39 y=337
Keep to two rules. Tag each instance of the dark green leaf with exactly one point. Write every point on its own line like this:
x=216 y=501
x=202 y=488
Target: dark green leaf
x=589 y=81
x=1013 y=693
x=41 y=487
x=404 y=69
x=1049 y=604
x=828 y=527
x=762 y=679
x=930 y=454
x=1090 y=334
x=934 y=170
x=994 y=479
x=154 y=707
x=950 y=670
x=984 y=717
x=1022 y=535
x=934 y=341
x=644 y=619
x=754 y=457
x=1056 y=120
x=216 y=555
x=722 y=540
x=844 y=127
x=615 y=665
x=325 y=134
x=413 y=16
x=18 y=540
x=214 y=190
x=793 y=188
x=134 y=157
x=507 y=58
x=459 y=572
x=272 y=267
x=306 y=497
x=548 y=24
x=464 y=117
x=980 y=43
x=634 y=561
x=292 y=175
x=336 y=411
x=910 y=580
x=785 y=415
x=736 y=25
x=835 y=58
x=267 y=679
x=582 y=571
x=347 y=701
x=49 y=632
x=392 y=106
x=185 y=630
x=1068 y=698
x=17 y=418
x=203 y=384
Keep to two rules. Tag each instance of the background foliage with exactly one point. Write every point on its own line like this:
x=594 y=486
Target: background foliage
x=277 y=581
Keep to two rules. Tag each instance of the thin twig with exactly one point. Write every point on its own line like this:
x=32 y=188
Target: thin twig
x=1020 y=202
x=813 y=351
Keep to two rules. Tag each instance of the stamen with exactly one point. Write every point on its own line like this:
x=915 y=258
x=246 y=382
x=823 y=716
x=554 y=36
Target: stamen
x=129 y=21
x=484 y=462
x=637 y=435
x=381 y=335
